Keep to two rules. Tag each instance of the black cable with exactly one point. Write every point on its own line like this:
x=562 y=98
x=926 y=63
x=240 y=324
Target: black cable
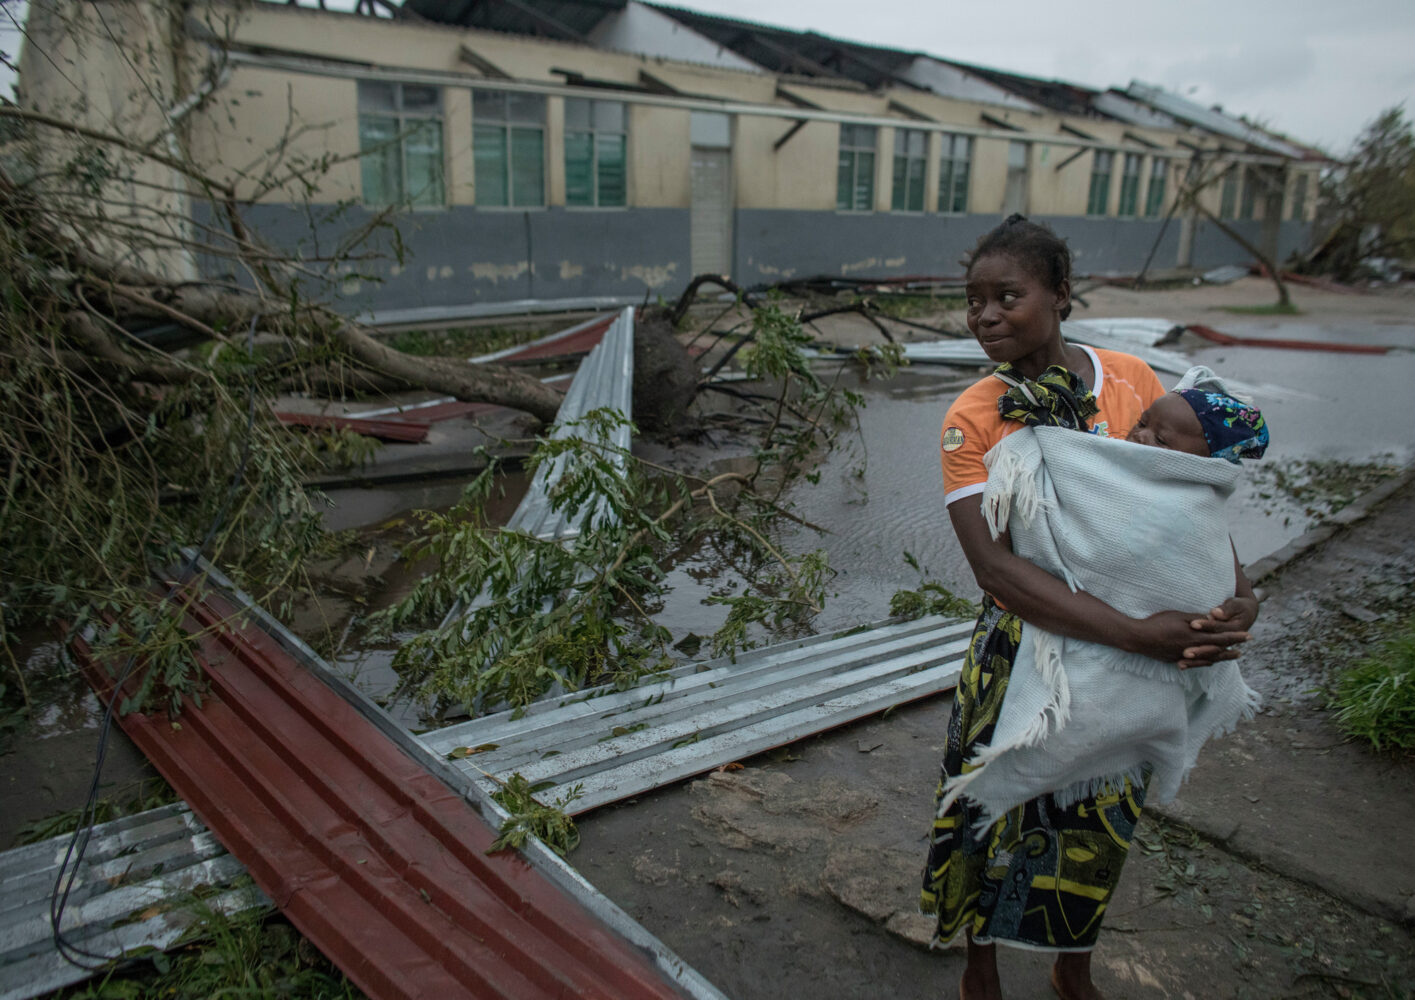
x=78 y=842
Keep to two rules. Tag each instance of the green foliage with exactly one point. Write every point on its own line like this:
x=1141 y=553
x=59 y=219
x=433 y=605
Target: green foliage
x=931 y=598
x=1368 y=205
x=246 y=955
x=910 y=306
x=107 y=476
x=1270 y=309
x=1374 y=698
x=462 y=341
x=539 y=614
x=149 y=795
x=528 y=818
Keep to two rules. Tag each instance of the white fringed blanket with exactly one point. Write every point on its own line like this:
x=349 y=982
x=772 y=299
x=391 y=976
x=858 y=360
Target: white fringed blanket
x=1143 y=529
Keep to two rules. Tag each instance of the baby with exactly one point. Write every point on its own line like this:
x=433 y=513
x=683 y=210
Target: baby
x=1202 y=423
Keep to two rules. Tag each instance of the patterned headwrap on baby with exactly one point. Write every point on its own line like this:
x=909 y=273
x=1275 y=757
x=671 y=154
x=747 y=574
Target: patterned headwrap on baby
x=1232 y=429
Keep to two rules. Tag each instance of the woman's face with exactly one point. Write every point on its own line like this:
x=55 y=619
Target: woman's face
x=1011 y=312
x=1170 y=423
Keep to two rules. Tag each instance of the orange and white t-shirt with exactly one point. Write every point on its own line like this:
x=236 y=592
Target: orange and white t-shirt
x=1124 y=387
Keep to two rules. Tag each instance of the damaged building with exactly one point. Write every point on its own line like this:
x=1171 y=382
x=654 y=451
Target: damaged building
x=579 y=152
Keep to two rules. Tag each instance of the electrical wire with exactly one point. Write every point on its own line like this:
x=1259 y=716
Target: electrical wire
x=73 y=953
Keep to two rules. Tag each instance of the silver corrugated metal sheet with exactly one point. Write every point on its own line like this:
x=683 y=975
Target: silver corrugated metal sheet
x=1133 y=331
x=618 y=744
x=605 y=380
x=134 y=889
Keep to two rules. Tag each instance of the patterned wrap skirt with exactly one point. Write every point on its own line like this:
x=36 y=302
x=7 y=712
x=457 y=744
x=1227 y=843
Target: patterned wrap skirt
x=1041 y=876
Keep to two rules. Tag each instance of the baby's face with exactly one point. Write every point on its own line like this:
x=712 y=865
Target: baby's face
x=1170 y=423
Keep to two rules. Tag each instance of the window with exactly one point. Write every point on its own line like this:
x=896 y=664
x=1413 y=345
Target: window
x=953 y=173
x=1099 y=199
x=508 y=146
x=855 y=174
x=1129 y=186
x=1228 y=197
x=1154 y=194
x=596 y=153
x=911 y=153
x=1299 y=198
x=1250 y=194
x=1014 y=195
x=400 y=143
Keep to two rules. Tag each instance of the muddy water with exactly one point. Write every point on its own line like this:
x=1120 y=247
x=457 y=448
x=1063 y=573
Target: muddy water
x=880 y=494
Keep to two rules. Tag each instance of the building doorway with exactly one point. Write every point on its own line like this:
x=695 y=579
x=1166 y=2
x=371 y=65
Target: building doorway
x=711 y=217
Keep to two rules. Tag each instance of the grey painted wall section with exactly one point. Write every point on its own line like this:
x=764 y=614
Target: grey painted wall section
x=774 y=244
x=1293 y=238
x=464 y=256
x=1212 y=248
x=1116 y=246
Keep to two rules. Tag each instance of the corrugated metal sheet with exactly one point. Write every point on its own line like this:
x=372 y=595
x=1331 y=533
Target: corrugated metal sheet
x=130 y=892
x=605 y=380
x=577 y=339
x=369 y=853
x=618 y=744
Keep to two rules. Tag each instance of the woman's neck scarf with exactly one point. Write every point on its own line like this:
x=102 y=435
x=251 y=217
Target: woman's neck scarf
x=1055 y=398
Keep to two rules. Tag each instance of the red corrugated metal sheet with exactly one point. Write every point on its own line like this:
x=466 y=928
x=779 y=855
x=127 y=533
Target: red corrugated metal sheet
x=377 y=861
x=576 y=341
x=1214 y=336
x=405 y=431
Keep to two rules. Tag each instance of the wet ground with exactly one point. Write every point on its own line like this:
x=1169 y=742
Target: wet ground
x=773 y=879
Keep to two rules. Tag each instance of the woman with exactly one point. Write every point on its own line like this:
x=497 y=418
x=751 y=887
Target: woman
x=1042 y=875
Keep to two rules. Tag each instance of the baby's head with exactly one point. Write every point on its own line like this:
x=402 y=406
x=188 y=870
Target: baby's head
x=1203 y=423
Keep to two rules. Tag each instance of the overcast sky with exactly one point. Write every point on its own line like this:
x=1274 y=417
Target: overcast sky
x=1316 y=69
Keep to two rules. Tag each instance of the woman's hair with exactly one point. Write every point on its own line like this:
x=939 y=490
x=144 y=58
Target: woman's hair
x=1031 y=244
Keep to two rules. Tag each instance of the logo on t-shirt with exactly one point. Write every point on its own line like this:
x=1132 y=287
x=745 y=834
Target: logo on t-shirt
x=953 y=439
x=1102 y=428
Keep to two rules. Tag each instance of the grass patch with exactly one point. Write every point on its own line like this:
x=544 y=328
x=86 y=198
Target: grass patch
x=1374 y=698
x=914 y=306
x=463 y=341
x=1273 y=309
x=247 y=955
x=150 y=794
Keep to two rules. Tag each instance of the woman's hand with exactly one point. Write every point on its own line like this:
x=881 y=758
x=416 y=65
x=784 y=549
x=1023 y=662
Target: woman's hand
x=1170 y=636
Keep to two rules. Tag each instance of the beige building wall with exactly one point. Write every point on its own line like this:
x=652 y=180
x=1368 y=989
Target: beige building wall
x=800 y=175
x=660 y=157
x=988 y=179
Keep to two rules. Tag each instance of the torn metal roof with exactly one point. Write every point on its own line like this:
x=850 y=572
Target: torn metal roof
x=610 y=745
x=371 y=848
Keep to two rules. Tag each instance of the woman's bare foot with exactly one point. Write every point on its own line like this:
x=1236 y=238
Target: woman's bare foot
x=1071 y=977
x=980 y=981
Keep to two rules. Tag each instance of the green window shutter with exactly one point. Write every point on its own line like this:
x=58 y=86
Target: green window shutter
x=423 y=156
x=1154 y=199
x=960 y=186
x=844 y=180
x=900 y=192
x=611 y=155
x=527 y=167
x=579 y=168
x=381 y=165
x=864 y=182
x=916 y=184
x=489 y=157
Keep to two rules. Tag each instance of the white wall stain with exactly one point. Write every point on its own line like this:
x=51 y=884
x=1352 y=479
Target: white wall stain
x=395 y=270
x=446 y=271
x=496 y=273
x=895 y=261
x=653 y=275
x=860 y=265
x=569 y=270
x=351 y=286
x=772 y=271
x=432 y=272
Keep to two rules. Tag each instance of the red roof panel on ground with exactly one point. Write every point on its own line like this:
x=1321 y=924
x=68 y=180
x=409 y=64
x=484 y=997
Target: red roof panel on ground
x=376 y=860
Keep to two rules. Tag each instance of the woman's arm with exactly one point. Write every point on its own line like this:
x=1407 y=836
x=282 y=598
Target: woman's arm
x=1045 y=601
x=1239 y=612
